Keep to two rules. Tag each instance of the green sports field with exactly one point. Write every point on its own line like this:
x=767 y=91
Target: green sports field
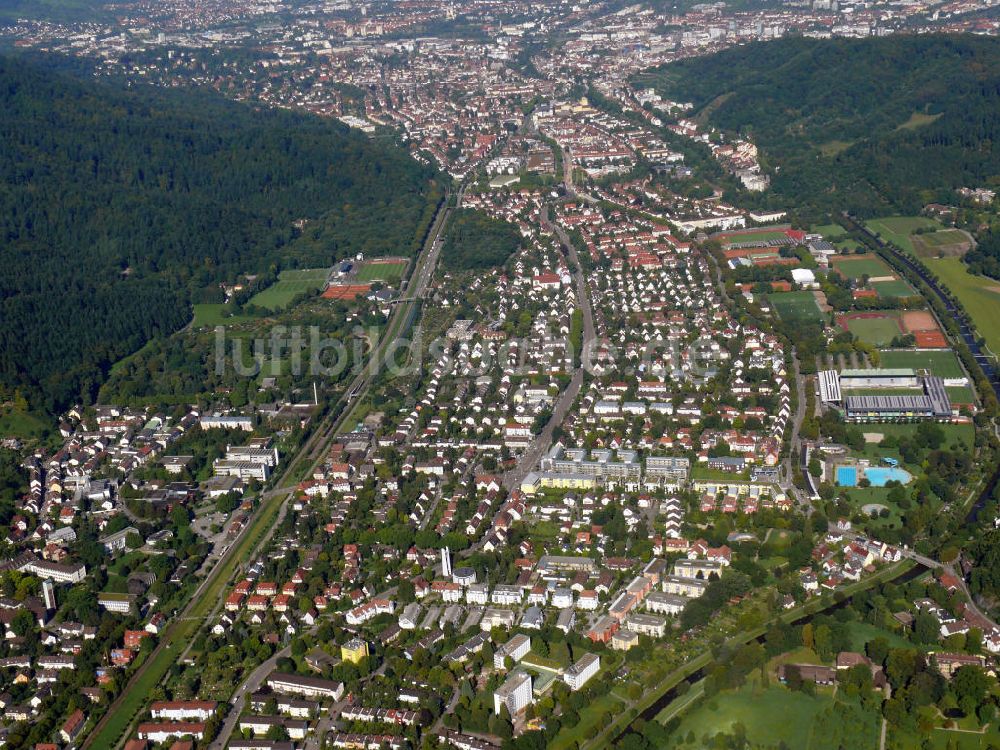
x=877 y=331
x=290 y=284
x=388 y=272
x=856 y=266
x=897 y=229
x=793 y=306
x=893 y=288
x=940 y=362
x=829 y=231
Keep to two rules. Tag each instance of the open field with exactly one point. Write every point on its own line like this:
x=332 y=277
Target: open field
x=897 y=229
x=753 y=235
x=962 y=434
x=290 y=284
x=390 y=272
x=769 y=716
x=946 y=739
x=947 y=242
x=21 y=424
x=829 y=231
x=856 y=266
x=979 y=295
x=893 y=288
x=872 y=328
x=941 y=362
x=795 y=306
x=590 y=715
x=211 y=315
x=917 y=120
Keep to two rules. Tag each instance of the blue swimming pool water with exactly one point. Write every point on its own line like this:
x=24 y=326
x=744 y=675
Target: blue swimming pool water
x=847 y=476
x=880 y=476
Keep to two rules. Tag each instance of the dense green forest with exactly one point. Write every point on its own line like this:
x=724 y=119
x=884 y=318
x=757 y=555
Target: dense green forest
x=53 y=10
x=868 y=126
x=476 y=240
x=119 y=208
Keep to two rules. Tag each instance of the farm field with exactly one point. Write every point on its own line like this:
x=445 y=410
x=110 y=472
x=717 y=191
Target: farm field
x=897 y=229
x=941 y=362
x=877 y=331
x=290 y=284
x=947 y=242
x=856 y=266
x=796 y=306
x=979 y=295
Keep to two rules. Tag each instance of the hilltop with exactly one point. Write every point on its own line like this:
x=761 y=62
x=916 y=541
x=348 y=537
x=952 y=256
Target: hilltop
x=864 y=125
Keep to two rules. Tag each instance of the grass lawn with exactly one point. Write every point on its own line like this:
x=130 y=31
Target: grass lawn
x=388 y=272
x=856 y=266
x=763 y=235
x=963 y=434
x=590 y=715
x=941 y=362
x=945 y=739
x=863 y=632
x=290 y=284
x=21 y=424
x=829 y=231
x=979 y=295
x=877 y=331
x=796 y=306
x=770 y=716
x=947 y=242
x=893 y=288
x=897 y=229
x=211 y=315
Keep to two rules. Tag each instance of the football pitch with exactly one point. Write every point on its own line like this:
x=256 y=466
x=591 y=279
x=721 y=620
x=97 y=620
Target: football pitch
x=943 y=363
x=290 y=284
x=797 y=306
x=388 y=272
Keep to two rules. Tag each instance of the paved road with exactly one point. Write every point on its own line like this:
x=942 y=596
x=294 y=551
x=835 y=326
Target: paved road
x=541 y=444
x=237 y=703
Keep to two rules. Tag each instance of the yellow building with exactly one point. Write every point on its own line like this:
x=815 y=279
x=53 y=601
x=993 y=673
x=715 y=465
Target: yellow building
x=354 y=650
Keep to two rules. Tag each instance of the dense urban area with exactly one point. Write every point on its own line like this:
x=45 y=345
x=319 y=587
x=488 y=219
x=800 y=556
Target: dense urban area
x=499 y=375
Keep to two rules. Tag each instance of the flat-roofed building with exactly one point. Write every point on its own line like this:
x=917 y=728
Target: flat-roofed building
x=515 y=694
x=311 y=687
x=516 y=648
x=582 y=670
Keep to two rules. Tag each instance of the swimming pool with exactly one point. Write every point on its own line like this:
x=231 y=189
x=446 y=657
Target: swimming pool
x=847 y=476
x=880 y=476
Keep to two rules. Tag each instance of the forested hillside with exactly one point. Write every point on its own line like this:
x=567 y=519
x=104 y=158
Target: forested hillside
x=118 y=208
x=864 y=125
